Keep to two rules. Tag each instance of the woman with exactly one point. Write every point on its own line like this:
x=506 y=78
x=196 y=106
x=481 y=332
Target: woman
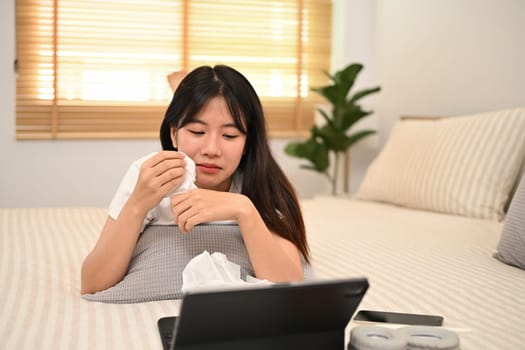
x=216 y=119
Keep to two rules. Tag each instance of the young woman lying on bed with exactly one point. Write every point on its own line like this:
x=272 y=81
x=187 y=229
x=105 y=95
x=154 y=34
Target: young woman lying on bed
x=216 y=119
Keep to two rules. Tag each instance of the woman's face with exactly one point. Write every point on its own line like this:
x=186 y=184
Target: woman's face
x=214 y=143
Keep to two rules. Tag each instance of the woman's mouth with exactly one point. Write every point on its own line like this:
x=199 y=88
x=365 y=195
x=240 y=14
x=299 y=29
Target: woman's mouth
x=208 y=168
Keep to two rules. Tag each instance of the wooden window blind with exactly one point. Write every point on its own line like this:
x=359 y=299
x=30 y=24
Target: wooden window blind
x=97 y=68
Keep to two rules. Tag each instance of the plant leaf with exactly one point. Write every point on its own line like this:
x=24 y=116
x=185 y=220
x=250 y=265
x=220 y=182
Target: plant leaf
x=334 y=139
x=315 y=152
x=330 y=92
x=345 y=79
x=353 y=113
x=357 y=136
x=325 y=116
x=362 y=93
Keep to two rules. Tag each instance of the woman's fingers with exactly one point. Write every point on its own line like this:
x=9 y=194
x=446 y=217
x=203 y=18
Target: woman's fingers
x=164 y=161
x=163 y=172
x=199 y=205
x=183 y=211
x=170 y=179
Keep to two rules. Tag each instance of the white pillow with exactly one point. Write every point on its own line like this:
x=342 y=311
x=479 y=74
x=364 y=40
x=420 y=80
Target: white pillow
x=511 y=247
x=462 y=165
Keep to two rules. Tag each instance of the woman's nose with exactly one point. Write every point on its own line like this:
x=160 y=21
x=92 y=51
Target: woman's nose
x=211 y=146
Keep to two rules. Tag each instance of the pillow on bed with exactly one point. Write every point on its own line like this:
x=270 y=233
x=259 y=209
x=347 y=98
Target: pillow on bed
x=511 y=247
x=162 y=252
x=462 y=165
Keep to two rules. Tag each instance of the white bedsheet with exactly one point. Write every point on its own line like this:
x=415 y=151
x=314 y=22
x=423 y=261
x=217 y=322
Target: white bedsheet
x=422 y=262
x=415 y=261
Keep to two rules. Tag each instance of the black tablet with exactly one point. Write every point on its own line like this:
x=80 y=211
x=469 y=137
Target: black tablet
x=305 y=315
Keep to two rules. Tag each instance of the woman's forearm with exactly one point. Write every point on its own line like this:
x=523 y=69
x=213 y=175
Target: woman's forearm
x=273 y=257
x=108 y=262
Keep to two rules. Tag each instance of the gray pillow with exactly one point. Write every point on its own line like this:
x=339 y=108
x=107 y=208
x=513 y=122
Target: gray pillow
x=162 y=252
x=511 y=247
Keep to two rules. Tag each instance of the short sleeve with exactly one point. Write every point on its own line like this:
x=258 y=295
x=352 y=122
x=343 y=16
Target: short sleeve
x=126 y=187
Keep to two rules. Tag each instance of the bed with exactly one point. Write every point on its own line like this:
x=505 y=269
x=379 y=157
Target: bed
x=417 y=260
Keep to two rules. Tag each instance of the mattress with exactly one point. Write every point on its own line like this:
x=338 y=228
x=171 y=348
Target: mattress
x=422 y=262
x=415 y=261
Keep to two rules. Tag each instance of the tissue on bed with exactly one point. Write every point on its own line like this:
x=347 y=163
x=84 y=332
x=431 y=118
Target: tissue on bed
x=189 y=178
x=214 y=271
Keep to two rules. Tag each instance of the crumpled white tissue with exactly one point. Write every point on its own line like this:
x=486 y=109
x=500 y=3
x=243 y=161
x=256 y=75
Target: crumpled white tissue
x=189 y=178
x=212 y=272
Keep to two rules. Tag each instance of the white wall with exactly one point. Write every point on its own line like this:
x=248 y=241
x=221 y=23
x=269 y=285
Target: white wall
x=449 y=57
x=444 y=57
x=355 y=42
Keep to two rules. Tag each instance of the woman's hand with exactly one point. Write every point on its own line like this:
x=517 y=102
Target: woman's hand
x=199 y=205
x=273 y=257
x=158 y=176
x=108 y=262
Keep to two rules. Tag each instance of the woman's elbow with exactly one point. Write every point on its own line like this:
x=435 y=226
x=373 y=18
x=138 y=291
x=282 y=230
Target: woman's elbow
x=86 y=285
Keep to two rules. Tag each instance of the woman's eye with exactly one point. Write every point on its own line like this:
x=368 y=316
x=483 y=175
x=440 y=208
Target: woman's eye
x=196 y=132
x=230 y=136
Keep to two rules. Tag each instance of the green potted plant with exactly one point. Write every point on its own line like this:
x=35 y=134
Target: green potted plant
x=333 y=137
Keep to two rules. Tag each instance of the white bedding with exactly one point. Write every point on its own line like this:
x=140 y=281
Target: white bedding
x=415 y=261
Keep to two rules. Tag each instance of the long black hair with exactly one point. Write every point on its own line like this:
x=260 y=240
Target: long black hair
x=264 y=182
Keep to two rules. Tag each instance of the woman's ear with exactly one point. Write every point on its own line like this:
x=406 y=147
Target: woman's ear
x=173 y=135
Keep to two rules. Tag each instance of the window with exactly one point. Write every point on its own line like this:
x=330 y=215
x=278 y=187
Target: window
x=97 y=68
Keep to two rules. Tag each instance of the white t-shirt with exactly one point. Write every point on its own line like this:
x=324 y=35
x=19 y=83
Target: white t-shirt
x=161 y=214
